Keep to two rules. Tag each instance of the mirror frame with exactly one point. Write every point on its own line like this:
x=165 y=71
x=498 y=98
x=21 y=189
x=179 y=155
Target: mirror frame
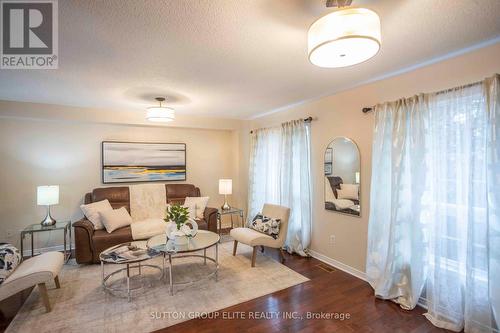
x=360 y=192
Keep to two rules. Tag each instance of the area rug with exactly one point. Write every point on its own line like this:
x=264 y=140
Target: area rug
x=81 y=305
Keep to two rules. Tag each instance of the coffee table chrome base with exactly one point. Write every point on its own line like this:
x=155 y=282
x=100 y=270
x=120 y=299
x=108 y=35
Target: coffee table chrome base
x=214 y=272
x=127 y=290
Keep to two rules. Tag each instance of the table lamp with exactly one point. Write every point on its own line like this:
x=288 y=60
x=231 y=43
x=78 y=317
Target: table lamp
x=47 y=196
x=225 y=187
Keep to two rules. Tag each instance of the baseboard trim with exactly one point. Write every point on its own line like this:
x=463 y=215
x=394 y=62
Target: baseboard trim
x=337 y=264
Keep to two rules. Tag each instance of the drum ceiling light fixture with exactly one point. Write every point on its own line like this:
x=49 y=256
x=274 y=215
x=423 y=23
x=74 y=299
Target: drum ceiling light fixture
x=344 y=37
x=160 y=114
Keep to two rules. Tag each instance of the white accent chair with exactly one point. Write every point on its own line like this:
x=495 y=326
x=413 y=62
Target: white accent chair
x=34 y=271
x=255 y=239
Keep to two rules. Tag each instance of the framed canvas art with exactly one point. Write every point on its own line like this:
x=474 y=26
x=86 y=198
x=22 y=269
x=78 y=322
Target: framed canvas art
x=129 y=162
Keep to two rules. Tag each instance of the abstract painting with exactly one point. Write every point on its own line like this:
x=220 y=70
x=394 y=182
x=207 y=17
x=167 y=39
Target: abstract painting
x=127 y=162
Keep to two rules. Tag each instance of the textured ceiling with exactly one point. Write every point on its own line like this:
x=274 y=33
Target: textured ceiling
x=229 y=58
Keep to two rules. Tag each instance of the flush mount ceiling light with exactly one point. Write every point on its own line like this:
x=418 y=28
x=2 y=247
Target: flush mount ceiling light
x=160 y=114
x=343 y=38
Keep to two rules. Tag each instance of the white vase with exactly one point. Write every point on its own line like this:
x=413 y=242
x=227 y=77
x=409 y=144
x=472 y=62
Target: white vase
x=179 y=238
x=171 y=227
x=190 y=231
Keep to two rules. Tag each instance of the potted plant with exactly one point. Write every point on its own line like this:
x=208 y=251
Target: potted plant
x=178 y=229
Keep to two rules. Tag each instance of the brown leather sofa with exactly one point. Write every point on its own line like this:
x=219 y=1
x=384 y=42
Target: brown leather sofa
x=89 y=243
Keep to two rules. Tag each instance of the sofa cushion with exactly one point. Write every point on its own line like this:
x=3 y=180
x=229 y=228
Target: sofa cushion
x=148 y=228
x=115 y=219
x=92 y=212
x=177 y=193
x=117 y=196
x=103 y=240
x=10 y=257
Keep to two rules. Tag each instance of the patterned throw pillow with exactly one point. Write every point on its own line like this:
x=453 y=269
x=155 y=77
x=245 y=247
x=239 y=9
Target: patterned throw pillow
x=9 y=259
x=266 y=225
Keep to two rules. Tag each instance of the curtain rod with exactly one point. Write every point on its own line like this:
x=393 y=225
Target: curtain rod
x=369 y=109
x=306 y=120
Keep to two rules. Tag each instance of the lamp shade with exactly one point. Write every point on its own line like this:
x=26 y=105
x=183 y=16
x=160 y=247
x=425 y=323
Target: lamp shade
x=357 y=177
x=225 y=186
x=47 y=195
x=160 y=114
x=344 y=38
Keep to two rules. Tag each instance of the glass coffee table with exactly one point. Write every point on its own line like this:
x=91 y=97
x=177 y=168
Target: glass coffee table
x=135 y=254
x=202 y=241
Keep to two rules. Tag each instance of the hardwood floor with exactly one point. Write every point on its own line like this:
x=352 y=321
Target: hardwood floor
x=10 y=306
x=329 y=291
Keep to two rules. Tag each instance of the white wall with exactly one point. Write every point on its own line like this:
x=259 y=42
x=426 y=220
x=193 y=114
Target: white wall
x=36 y=150
x=67 y=153
x=340 y=115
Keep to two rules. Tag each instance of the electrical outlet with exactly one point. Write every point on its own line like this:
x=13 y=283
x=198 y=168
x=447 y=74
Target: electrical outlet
x=332 y=239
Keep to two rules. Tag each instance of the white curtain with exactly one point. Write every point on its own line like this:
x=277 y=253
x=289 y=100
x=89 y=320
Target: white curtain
x=280 y=173
x=264 y=169
x=434 y=230
x=296 y=183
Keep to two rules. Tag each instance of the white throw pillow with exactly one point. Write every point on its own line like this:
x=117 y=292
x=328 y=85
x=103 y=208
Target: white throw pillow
x=115 y=219
x=199 y=203
x=341 y=204
x=191 y=210
x=92 y=210
x=348 y=191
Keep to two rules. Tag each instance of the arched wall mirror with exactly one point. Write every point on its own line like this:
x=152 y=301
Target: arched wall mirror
x=342 y=177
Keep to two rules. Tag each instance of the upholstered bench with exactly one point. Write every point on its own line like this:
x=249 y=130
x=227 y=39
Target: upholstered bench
x=37 y=270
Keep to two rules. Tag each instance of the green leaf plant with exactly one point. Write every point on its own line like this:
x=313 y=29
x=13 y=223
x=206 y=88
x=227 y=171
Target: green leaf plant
x=177 y=214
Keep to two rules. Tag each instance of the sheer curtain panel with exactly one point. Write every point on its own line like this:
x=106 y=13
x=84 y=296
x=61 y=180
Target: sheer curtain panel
x=296 y=183
x=264 y=169
x=434 y=229
x=280 y=173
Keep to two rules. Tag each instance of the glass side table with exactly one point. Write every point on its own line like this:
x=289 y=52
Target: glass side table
x=34 y=228
x=232 y=211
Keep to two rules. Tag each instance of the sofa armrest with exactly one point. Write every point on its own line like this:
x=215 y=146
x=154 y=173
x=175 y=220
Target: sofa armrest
x=84 y=246
x=210 y=216
x=85 y=224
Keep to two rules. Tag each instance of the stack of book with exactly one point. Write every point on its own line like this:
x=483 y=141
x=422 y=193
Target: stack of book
x=128 y=253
